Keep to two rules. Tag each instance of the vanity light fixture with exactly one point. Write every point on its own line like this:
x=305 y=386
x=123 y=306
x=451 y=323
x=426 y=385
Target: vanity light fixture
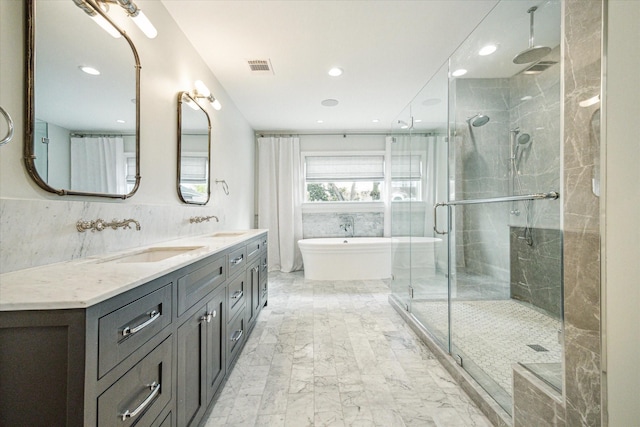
x=202 y=91
x=98 y=19
x=139 y=18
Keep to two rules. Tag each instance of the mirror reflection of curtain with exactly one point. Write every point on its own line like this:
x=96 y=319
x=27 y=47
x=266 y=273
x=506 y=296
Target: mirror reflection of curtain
x=98 y=165
x=280 y=200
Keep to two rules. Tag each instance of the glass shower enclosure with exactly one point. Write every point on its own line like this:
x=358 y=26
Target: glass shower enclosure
x=485 y=148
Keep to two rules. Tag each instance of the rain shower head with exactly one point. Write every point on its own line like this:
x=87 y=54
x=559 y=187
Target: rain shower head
x=478 y=120
x=533 y=53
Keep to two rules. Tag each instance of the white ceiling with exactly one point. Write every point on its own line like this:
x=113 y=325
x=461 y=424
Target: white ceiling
x=388 y=50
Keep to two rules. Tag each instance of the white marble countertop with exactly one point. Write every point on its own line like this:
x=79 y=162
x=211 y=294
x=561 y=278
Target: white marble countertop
x=84 y=282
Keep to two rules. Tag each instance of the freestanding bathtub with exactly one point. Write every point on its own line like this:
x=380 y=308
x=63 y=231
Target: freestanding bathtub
x=363 y=258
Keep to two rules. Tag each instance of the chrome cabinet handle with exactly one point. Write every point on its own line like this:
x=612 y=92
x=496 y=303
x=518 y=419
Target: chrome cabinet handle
x=210 y=315
x=155 y=389
x=236 y=335
x=237 y=294
x=237 y=260
x=256 y=268
x=264 y=266
x=153 y=316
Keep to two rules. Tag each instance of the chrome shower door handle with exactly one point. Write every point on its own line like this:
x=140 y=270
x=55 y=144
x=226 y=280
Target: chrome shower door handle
x=435 y=218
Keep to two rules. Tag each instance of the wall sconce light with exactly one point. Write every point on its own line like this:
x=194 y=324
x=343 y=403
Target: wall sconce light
x=98 y=19
x=134 y=12
x=202 y=91
x=139 y=18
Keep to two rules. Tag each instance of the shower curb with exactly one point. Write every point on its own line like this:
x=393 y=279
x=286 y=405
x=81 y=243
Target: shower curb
x=489 y=407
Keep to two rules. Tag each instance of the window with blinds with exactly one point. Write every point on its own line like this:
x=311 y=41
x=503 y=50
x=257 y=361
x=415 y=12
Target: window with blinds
x=406 y=177
x=344 y=178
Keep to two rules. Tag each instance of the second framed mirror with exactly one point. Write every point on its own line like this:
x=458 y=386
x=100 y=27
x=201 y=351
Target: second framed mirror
x=194 y=151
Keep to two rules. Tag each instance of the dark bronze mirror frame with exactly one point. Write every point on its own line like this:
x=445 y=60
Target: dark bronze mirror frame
x=181 y=96
x=29 y=155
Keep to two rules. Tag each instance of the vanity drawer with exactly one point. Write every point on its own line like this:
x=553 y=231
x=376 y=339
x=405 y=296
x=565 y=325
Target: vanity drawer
x=235 y=336
x=236 y=294
x=138 y=397
x=123 y=331
x=197 y=284
x=253 y=249
x=237 y=260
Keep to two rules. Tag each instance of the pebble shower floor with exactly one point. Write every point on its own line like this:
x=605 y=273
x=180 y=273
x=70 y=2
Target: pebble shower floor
x=327 y=353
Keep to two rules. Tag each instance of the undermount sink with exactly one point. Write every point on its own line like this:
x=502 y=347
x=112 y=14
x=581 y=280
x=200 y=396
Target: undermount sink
x=154 y=254
x=228 y=233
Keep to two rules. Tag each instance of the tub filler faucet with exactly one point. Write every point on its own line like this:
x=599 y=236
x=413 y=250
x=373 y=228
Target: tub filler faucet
x=347 y=226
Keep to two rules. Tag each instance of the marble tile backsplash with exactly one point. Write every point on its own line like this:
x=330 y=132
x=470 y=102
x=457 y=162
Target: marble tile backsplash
x=39 y=232
x=365 y=224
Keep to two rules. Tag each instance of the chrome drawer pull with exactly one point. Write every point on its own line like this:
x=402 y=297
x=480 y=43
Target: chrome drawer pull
x=256 y=269
x=210 y=315
x=154 y=315
x=237 y=294
x=236 y=335
x=238 y=260
x=155 y=389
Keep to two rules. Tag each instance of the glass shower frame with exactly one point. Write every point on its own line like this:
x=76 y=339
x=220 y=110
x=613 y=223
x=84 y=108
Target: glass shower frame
x=470 y=296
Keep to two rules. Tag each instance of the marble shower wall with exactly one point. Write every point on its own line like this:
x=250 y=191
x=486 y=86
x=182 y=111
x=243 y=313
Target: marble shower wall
x=582 y=334
x=530 y=103
x=366 y=224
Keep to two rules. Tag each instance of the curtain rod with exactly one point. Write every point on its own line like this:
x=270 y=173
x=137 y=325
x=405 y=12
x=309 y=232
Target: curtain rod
x=104 y=135
x=344 y=134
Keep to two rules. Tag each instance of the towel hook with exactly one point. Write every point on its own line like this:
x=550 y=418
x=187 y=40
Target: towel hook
x=9 y=135
x=225 y=187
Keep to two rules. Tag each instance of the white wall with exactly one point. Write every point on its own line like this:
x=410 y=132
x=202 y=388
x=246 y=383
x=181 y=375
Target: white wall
x=621 y=234
x=169 y=65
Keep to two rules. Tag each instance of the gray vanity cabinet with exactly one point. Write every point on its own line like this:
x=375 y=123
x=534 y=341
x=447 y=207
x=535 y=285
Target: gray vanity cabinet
x=154 y=355
x=201 y=358
x=263 y=277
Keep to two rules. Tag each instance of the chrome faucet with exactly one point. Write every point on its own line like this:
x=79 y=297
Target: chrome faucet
x=347 y=226
x=100 y=224
x=198 y=219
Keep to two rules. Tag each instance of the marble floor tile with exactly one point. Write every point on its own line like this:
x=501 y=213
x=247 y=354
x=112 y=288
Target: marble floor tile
x=335 y=353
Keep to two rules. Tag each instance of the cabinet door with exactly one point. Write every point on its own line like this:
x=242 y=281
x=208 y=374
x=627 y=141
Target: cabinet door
x=192 y=336
x=264 y=279
x=216 y=343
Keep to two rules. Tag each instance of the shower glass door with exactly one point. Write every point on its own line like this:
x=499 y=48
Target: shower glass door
x=506 y=256
x=429 y=290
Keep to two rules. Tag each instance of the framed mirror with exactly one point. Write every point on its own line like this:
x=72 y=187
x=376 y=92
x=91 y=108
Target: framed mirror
x=83 y=124
x=194 y=151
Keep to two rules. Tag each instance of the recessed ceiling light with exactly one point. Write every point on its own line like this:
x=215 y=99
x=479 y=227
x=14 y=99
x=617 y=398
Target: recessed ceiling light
x=417 y=121
x=120 y=121
x=375 y=121
x=320 y=121
x=487 y=50
x=459 y=72
x=329 y=102
x=89 y=70
x=336 y=71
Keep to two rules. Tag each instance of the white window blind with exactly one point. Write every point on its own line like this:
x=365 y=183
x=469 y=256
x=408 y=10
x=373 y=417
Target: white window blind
x=406 y=167
x=344 y=168
x=193 y=169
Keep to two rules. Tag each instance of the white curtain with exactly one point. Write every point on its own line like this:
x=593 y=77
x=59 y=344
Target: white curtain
x=98 y=165
x=280 y=200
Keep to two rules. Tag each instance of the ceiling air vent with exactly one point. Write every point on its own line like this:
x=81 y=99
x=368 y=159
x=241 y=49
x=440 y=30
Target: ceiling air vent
x=260 y=66
x=539 y=67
